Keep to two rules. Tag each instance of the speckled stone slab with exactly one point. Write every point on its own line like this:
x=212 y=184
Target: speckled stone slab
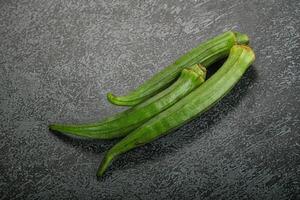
x=58 y=59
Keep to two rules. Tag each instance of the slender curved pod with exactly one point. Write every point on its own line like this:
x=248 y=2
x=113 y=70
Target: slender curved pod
x=121 y=124
x=205 y=53
x=194 y=104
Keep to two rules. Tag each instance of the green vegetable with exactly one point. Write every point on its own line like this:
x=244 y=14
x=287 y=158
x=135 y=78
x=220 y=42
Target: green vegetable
x=192 y=105
x=120 y=125
x=206 y=54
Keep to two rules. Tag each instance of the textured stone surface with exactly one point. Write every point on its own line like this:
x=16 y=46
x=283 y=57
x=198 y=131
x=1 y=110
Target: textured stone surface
x=58 y=59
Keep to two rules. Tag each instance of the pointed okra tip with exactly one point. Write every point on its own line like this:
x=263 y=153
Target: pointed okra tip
x=121 y=100
x=55 y=128
x=241 y=38
x=104 y=164
x=110 y=96
x=51 y=127
x=115 y=100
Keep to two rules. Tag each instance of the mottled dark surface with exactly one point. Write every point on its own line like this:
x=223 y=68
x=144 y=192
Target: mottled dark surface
x=58 y=59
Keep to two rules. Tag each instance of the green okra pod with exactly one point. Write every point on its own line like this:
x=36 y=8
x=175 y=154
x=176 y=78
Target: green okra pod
x=194 y=104
x=205 y=53
x=121 y=124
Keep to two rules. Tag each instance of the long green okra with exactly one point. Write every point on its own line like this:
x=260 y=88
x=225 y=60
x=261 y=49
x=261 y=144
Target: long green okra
x=205 y=53
x=122 y=124
x=194 y=104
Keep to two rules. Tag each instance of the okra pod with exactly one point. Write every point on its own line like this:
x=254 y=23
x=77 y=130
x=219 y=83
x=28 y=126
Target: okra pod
x=127 y=121
x=205 y=53
x=192 y=105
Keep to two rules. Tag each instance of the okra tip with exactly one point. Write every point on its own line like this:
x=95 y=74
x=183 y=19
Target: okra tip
x=110 y=96
x=241 y=38
x=104 y=164
x=51 y=127
x=121 y=101
x=54 y=128
x=114 y=99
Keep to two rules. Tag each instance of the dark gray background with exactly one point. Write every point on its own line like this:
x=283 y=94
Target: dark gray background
x=58 y=59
